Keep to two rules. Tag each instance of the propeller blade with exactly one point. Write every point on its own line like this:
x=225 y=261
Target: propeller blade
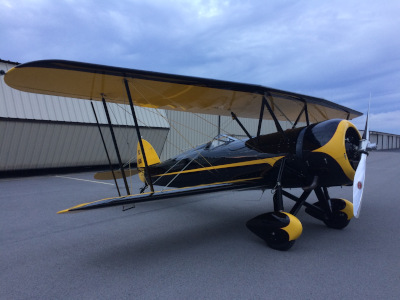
x=366 y=130
x=359 y=177
x=358 y=185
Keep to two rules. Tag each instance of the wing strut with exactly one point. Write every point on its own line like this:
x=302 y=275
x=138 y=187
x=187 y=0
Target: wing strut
x=146 y=166
x=261 y=118
x=306 y=112
x=240 y=124
x=277 y=124
x=266 y=104
x=298 y=117
x=105 y=148
x=115 y=144
x=303 y=110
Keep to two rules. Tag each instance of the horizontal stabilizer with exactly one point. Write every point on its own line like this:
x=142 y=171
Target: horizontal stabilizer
x=108 y=175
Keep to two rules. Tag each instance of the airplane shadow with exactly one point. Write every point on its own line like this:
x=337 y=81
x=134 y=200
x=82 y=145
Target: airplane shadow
x=218 y=232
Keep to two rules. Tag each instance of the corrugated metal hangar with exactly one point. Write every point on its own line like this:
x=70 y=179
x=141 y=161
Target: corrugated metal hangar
x=46 y=134
x=385 y=141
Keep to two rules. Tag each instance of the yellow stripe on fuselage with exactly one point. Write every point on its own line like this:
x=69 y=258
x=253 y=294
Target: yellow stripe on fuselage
x=271 y=161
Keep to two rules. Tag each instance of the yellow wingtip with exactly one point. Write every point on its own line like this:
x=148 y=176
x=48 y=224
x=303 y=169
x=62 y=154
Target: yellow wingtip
x=71 y=209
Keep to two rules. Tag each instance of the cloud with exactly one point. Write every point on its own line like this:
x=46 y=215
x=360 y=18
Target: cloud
x=382 y=122
x=341 y=51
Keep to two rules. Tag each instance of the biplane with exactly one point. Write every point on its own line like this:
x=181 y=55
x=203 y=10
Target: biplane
x=322 y=149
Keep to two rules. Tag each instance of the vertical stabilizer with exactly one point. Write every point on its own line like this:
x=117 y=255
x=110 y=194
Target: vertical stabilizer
x=151 y=156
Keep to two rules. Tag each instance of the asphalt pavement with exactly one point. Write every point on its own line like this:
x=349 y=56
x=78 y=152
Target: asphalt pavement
x=192 y=248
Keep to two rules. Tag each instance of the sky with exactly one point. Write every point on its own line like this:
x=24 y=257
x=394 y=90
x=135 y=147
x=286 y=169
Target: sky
x=346 y=51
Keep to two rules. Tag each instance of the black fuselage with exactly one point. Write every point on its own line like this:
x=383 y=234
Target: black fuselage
x=307 y=152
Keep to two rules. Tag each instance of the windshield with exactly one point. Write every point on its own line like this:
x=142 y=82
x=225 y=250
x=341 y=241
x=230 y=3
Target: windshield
x=220 y=140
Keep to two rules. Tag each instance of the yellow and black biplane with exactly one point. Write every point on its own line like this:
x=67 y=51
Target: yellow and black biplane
x=322 y=149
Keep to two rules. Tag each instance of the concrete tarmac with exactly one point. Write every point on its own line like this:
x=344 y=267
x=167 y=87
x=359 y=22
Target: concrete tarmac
x=192 y=248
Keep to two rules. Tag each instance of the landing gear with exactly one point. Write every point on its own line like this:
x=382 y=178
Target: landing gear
x=278 y=229
x=341 y=212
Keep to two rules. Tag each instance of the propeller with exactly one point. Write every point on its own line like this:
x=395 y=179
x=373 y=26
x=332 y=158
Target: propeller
x=359 y=177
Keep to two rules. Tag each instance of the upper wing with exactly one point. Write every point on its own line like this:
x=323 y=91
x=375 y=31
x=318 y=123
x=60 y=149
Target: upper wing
x=250 y=183
x=167 y=91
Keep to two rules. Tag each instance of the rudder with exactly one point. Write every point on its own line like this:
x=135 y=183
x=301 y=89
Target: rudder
x=151 y=156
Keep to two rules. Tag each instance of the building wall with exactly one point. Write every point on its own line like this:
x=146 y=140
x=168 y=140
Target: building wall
x=27 y=145
x=385 y=141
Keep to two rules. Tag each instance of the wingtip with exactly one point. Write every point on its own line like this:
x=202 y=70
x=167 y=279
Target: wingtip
x=72 y=209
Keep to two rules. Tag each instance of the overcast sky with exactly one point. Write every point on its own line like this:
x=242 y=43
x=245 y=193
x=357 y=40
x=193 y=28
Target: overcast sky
x=343 y=51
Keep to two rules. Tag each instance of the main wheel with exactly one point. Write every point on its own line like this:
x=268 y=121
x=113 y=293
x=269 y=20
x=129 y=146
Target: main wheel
x=342 y=212
x=279 y=240
x=278 y=229
x=337 y=221
x=339 y=218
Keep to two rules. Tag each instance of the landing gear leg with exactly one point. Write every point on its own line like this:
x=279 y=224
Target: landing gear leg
x=278 y=229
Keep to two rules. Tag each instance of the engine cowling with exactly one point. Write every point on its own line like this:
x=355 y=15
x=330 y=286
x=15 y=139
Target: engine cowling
x=330 y=149
x=327 y=149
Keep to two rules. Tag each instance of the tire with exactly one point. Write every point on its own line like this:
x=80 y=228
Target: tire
x=278 y=229
x=338 y=219
x=279 y=243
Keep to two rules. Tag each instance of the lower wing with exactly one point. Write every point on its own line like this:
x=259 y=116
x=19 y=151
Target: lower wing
x=241 y=184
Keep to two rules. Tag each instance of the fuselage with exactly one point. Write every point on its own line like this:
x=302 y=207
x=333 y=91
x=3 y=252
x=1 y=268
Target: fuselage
x=326 y=150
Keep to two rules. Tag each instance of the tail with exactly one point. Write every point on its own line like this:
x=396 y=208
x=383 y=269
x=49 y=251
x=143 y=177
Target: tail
x=151 y=157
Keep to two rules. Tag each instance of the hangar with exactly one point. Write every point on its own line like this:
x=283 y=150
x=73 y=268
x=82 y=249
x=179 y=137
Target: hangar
x=385 y=141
